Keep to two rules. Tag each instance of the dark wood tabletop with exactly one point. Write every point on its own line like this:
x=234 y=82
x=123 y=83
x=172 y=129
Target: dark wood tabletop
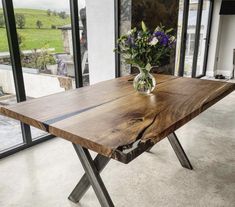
x=113 y=120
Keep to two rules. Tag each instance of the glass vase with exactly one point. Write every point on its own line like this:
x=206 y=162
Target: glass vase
x=144 y=82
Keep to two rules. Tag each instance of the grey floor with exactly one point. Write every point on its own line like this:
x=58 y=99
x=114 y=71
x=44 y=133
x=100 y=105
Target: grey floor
x=44 y=175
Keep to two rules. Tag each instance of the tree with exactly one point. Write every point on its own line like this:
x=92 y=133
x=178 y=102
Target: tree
x=39 y=24
x=21 y=40
x=48 y=12
x=45 y=58
x=53 y=26
x=54 y=13
x=62 y=15
x=20 y=20
x=2 y=22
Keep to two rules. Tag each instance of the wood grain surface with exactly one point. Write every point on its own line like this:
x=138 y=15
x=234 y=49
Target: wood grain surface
x=112 y=119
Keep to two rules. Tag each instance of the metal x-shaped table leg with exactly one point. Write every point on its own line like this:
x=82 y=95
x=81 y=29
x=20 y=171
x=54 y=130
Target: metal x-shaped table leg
x=94 y=167
x=91 y=177
x=179 y=151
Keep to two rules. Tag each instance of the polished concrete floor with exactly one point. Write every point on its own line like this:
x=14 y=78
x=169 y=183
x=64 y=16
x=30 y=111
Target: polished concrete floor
x=44 y=175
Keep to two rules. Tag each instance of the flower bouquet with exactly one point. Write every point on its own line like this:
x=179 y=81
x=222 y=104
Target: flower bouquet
x=145 y=49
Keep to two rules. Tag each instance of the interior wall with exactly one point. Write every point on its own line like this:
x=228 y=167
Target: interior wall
x=101 y=39
x=226 y=45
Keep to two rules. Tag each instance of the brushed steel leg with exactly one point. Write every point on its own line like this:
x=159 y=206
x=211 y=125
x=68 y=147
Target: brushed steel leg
x=179 y=151
x=91 y=177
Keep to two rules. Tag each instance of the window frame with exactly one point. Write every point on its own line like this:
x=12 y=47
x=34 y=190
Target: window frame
x=197 y=38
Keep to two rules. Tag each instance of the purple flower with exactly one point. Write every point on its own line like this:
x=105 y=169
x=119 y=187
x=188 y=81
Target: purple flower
x=162 y=37
x=165 y=40
x=159 y=34
x=130 y=41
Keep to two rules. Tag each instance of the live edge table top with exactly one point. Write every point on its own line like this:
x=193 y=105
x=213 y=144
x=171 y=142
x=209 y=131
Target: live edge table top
x=112 y=119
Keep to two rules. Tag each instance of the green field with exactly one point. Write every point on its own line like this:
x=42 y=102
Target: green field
x=37 y=38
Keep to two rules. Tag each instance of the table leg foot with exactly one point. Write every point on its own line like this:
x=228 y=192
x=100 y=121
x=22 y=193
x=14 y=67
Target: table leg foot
x=179 y=151
x=80 y=189
x=83 y=185
x=148 y=150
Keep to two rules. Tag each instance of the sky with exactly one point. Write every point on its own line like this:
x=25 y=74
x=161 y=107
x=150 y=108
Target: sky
x=58 y=5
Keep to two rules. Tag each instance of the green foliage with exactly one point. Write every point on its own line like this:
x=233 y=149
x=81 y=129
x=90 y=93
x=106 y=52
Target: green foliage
x=49 y=12
x=39 y=24
x=3 y=40
x=53 y=26
x=145 y=48
x=32 y=15
x=2 y=22
x=144 y=28
x=41 y=58
x=35 y=38
x=54 y=13
x=62 y=15
x=20 y=20
x=21 y=40
x=45 y=58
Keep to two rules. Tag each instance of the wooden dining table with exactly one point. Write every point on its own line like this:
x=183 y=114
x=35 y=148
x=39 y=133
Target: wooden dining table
x=116 y=122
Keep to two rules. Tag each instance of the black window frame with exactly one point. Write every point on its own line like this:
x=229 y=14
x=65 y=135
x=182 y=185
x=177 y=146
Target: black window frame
x=197 y=38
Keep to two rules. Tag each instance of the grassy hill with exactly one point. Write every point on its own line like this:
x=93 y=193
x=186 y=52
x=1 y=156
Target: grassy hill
x=32 y=15
x=36 y=38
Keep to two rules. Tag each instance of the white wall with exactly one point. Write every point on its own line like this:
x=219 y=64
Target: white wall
x=100 y=35
x=36 y=85
x=226 y=45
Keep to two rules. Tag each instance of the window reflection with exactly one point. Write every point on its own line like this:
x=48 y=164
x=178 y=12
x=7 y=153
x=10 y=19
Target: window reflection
x=10 y=129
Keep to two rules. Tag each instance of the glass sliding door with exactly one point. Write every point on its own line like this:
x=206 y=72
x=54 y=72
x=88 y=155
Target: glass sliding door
x=10 y=129
x=190 y=41
x=192 y=58
x=203 y=37
x=40 y=37
x=45 y=38
x=179 y=36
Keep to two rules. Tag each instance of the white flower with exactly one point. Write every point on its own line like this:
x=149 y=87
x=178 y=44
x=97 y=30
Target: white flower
x=154 y=41
x=172 y=39
x=129 y=32
x=157 y=29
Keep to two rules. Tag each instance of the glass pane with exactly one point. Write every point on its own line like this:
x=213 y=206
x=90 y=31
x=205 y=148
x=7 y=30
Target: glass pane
x=125 y=26
x=44 y=34
x=155 y=13
x=203 y=36
x=191 y=29
x=179 y=36
x=10 y=129
x=84 y=42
